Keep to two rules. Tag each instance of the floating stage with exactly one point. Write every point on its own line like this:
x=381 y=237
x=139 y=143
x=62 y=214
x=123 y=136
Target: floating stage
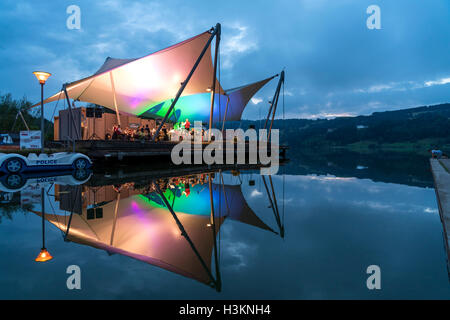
x=145 y=174
x=99 y=150
x=441 y=175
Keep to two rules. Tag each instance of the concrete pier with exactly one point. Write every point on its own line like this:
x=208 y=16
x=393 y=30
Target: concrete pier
x=441 y=175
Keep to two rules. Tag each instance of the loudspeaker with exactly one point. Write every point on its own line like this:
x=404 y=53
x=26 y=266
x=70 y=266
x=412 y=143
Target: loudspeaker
x=98 y=213
x=89 y=112
x=90 y=214
x=98 y=113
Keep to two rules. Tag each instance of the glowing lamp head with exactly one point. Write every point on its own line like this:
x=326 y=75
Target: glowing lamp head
x=42 y=76
x=43 y=256
x=209 y=89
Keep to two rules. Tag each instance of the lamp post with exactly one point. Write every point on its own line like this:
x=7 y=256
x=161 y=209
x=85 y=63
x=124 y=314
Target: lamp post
x=42 y=77
x=43 y=255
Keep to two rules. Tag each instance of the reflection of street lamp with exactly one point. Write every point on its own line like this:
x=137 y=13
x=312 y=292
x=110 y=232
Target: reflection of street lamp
x=44 y=255
x=42 y=77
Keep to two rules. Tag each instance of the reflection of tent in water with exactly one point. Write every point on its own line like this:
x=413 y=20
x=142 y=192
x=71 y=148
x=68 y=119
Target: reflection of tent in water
x=171 y=229
x=133 y=228
x=229 y=202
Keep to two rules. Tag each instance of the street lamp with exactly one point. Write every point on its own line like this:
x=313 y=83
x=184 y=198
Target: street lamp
x=43 y=255
x=42 y=77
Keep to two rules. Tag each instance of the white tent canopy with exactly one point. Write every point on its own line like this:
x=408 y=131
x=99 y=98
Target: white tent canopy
x=137 y=84
x=146 y=86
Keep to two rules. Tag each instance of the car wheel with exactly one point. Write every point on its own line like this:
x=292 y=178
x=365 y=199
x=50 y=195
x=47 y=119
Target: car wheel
x=80 y=174
x=80 y=163
x=14 y=165
x=14 y=181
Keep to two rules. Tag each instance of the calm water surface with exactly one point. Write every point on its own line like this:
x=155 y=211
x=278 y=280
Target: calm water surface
x=312 y=237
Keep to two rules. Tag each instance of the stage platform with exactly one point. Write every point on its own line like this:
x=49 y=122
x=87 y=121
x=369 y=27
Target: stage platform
x=119 y=150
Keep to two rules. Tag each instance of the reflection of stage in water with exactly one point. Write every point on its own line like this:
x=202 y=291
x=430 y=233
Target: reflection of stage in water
x=171 y=222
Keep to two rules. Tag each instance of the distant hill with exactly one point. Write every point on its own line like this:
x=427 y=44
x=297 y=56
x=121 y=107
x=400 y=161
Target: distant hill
x=422 y=127
x=412 y=130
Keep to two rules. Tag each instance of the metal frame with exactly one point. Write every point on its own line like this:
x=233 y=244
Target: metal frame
x=213 y=228
x=213 y=86
x=78 y=134
x=19 y=113
x=216 y=281
x=113 y=87
x=274 y=104
x=214 y=32
x=274 y=205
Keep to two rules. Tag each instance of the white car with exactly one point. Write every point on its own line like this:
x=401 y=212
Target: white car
x=16 y=163
x=17 y=182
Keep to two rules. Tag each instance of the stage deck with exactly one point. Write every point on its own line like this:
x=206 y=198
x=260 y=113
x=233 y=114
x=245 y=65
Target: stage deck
x=117 y=149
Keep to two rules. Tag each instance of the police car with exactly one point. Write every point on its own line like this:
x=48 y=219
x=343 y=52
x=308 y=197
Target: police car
x=19 y=181
x=16 y=163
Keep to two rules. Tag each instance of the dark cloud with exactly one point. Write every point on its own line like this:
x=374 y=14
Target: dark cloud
x=334 y=64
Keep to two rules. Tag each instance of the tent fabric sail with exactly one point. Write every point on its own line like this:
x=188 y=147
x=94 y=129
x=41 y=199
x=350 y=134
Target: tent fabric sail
x=229 y=202
x=140 y=226
x=197 y=106
x=146 y=86
x=239 y=98
x=130 y=227
x=136 y=84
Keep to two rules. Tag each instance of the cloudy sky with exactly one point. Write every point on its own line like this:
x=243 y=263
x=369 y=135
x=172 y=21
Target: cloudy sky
x=334 y=64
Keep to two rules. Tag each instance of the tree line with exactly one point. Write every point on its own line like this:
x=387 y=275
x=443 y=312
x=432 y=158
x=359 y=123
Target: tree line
x=10 y=122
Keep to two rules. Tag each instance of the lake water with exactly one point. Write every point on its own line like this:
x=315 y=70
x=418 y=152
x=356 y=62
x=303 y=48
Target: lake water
x=141 y=235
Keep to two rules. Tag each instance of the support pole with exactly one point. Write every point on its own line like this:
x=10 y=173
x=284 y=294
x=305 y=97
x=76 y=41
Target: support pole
x=114 y=97
x=43 y=217
x=183 y=231
x=213 y=86
x=274 y=103
x=23 y=119
x=72 y=120
x=213 y=228
x=116 y=210
x=42 y=118
x=271 y=106
x=78 y=193
x=184 y=84
x=68 y=226
x=273 y=116
x=225 y=115
x=277 y=216
x=273 y=205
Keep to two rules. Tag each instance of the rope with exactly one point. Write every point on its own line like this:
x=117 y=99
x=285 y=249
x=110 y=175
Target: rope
x=283 y=100
x=284 y=169
x=220 y=93
x=53 y=209
x=54 y=110
x=15 y=120
x=220 y=217
x=284 y=182
x=82 y=92
x=259 y=116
